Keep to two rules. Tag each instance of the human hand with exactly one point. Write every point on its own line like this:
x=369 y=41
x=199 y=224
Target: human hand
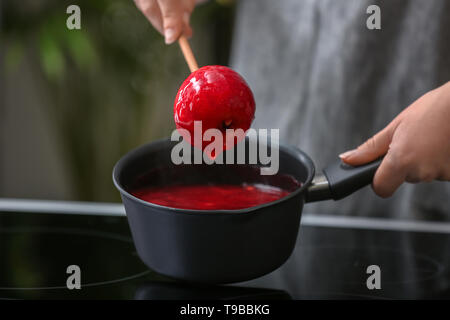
x=416 y=145
x=169 y=17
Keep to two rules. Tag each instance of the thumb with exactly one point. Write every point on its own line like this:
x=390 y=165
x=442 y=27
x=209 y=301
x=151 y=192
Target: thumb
x=372 y=149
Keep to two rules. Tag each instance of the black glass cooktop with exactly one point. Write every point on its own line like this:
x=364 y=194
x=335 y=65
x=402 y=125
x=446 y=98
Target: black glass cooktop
x=329 y=262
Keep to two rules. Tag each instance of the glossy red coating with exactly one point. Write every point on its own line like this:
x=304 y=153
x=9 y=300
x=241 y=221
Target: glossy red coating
x=217 y=96
x=211 y=197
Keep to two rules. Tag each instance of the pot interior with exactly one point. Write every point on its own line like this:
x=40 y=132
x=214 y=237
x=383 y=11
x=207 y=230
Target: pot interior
x=151 y=166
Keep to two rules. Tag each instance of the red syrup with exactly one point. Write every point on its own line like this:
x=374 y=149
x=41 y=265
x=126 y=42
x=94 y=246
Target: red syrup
x=211 y=197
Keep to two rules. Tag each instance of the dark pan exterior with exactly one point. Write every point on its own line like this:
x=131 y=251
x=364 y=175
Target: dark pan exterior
x=215 y=248
x=221 y=246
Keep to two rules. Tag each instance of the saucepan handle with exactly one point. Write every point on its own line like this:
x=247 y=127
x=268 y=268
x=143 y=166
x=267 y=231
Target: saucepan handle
x=340 y=180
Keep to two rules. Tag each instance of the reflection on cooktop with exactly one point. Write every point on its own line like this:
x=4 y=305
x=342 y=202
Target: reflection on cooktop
x=353 y=259
x=327 y=263
x=178 y=291
x=42 y=255
x=332 y=263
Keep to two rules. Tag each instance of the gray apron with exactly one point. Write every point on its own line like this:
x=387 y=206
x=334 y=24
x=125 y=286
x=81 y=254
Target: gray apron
x=329 y=83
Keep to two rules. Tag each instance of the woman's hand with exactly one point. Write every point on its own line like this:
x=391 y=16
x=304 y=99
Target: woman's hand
x=416 y=145
x=169 y=17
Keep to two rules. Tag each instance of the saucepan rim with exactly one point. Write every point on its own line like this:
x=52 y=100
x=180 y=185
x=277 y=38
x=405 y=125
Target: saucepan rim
x=296 y=153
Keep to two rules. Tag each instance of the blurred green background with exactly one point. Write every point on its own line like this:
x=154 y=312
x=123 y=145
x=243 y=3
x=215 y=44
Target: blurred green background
x=73 y=101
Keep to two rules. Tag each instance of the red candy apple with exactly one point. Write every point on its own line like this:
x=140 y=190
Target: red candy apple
x=219 y=98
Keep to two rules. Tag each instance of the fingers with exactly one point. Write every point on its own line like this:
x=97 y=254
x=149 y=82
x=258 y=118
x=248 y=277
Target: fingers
x=169 y=17
x=150 y=9
x=172 y=14
x=389 y=176
x=188 y=7
x=372 y=149
x=187 y=31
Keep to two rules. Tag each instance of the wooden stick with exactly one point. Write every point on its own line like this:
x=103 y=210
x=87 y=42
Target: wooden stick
x=187 y=52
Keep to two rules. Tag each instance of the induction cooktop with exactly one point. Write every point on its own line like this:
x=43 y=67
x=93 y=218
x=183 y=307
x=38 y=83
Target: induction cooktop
x=41 y=242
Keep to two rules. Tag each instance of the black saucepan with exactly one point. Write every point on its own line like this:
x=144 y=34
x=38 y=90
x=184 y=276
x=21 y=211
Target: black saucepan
x=224 y=246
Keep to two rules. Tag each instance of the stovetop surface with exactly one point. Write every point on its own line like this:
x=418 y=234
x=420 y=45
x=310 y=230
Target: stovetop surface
x=329 y=262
